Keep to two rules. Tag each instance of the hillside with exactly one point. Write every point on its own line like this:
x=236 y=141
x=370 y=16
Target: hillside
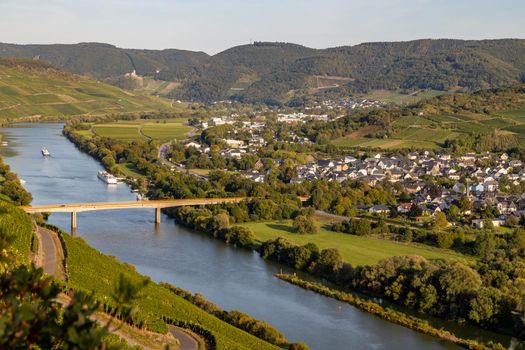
x=487 y=120
x=29 y=88
x=277 y=72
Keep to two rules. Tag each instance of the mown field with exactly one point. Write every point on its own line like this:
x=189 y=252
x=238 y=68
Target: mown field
x=401 y=98
x=91 y=270
x=165 y=129
x=430 y=132
x=48 y=92
x=355 y=249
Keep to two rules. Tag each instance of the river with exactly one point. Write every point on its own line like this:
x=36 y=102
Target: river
x=232 y=278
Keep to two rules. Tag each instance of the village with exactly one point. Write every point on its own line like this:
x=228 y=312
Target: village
x=485 y=179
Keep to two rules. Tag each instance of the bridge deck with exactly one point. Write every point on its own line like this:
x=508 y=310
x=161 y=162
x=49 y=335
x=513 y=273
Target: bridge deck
x=80 y=207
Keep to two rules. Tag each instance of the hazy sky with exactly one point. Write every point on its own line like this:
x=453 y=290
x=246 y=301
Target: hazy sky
x=215 y=25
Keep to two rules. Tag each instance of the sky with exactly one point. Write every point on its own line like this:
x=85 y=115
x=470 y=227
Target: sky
x=215 y=25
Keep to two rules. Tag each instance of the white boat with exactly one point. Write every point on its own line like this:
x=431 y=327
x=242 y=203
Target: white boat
x=45 y=152
x=4 y=143
x=107 y=177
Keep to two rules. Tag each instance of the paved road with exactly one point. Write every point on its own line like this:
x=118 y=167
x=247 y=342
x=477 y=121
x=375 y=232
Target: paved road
x=51 y=256
x=187 y=342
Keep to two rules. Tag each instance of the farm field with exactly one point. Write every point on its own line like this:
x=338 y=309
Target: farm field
x=116 y=131
x=355 y=249
x=165 y=129
x=516 y=114
x=400 y=98
x=29 y=90
x=382 y=143
x=430 y=132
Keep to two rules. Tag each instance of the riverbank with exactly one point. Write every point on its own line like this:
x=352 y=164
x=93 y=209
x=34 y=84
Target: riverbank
x=388 y=314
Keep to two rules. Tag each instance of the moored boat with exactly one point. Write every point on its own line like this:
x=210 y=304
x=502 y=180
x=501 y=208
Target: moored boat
x=107 y=177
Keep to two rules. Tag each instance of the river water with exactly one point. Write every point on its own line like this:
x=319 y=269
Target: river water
x=232 y=278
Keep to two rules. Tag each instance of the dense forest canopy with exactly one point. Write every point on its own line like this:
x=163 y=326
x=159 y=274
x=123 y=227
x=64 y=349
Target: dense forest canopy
x=267 y=71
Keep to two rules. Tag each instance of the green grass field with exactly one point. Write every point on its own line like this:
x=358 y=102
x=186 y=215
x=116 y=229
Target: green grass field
x=130 y=130
x=116 y=131
x=48 y=92
x=355 y=249
x=401 y=98
x=167 y=131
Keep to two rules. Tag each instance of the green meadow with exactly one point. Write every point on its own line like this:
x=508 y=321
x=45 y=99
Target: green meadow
x=141 y=129
x=356 y=250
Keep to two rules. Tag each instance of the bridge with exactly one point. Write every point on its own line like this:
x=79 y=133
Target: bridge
x=75 y=208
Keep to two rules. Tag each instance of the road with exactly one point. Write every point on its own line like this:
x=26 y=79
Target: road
x=187 y=341
x=50 y=252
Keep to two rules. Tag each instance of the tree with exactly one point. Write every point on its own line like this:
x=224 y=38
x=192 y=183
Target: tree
x=31 y=316
x=415 y=211
x=465 y=204
x=220 y=222
x=240 y=235
x=445 y=239
x=364 y=227
x=485 y=245
x=484 y=306
x=440 y=221
x=457 y=279
x=304 y=225
x=453 y=213
x=512 y=221
x=329 y=263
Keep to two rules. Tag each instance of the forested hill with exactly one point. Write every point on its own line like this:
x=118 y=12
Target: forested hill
x=280 y=71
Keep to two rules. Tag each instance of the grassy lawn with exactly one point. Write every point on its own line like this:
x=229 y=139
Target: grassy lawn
x=203 y=172
x=400 y=98
x=167 y=131
x=118 y=131
x=130 y=170
x=130 y=130
x=355 y=249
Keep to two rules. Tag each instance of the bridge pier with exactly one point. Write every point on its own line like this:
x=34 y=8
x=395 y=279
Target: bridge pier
x=157 y=215
x=73 y=223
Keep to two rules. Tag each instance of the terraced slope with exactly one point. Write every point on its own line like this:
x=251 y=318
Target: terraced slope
x=29 y=88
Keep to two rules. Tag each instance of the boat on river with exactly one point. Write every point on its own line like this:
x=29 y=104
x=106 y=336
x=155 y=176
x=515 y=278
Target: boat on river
x=107 y=177
x=45 y=152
